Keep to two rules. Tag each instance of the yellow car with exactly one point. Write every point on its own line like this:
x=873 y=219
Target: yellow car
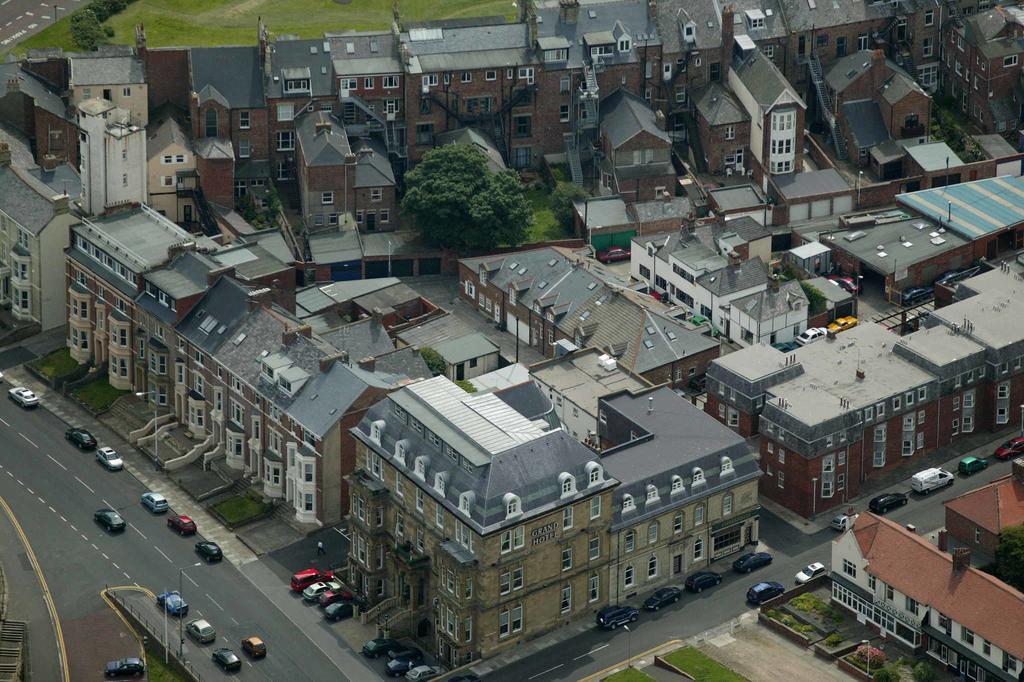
x=842 y=324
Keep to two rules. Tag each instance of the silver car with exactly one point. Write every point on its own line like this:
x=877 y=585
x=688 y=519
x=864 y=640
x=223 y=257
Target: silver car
x=155 y=502
x=109 y=459
x=201 y=631
x=23 y=397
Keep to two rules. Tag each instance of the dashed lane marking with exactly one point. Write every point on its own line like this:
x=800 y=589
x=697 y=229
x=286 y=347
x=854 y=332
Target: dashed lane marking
x=162 y=554
x=214 y=601
x=62 y=518
x=96 y=548
x=104 y=555
x=194 y=583
x=544 y=672
x=57 y=463
x=83 y=537
x=27 y=439
x=73 y=528
x=51 y=509
x=2 y=420
x=137 y=530
x=85 y=484
x=115 y=566
x=125 y=574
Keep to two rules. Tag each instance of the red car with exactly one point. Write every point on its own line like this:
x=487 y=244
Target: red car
x=613 y=254
x=1011 y=448
x=848 y=284
x=334 y=596
x=304 y=579
x=183 y=524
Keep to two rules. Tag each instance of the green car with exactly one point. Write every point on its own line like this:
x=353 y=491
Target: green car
x=971 y=465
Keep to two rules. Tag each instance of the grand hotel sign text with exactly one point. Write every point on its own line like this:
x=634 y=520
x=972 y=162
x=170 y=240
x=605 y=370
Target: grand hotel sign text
x=543 y=534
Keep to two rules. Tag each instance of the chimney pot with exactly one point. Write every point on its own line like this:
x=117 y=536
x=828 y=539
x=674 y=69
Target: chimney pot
x=367 y=363
x=943 y=540
x=961 y=558
x=860 y=374
x=650 y=404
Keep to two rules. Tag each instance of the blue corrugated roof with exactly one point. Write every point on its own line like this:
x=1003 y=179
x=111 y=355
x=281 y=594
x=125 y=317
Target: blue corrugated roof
x=972 y=209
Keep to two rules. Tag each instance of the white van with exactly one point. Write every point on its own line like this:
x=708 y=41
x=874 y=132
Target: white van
x=930 y=479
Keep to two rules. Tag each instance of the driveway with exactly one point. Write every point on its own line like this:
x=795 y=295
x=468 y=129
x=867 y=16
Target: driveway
x=760 y=655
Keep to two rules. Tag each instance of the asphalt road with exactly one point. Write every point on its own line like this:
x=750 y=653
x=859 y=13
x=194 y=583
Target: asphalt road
x=595 y=650
x=21 y=18
x=54 y=490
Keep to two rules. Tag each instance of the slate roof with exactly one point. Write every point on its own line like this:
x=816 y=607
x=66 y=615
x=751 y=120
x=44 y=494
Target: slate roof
x=227 y=301
x=364 y=338
x=465 y=348
x=673 y=15
x=214 y=148
x=803 y=16
x=434 y=332
x=624 y=115
x=810 y=184
x=528 y=400
x=718 y=106
x=982 y=30
x=767 y=305
x=403 y=361
x=593 y=18
x=44 y=96
x=251 y=261
x=25 y=199
x=63 y=179
x=865 y=120
x=476 y=138
x=764 y=81
x=186 y=275
x=308 y=56
x=335 y=247
x=232 y=74
x=91 y=70
x=728 y=280
x=467 y=47
x=324 y=147
x=327 y=396
x=364 y=53
x=164 y=133
x=847 y=70
x=373 y=169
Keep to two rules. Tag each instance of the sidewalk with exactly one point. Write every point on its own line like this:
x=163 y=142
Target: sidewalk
x=980 y=445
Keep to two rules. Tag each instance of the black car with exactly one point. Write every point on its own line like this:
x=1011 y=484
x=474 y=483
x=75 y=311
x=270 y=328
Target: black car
x=464 y=678
x=338 y=610
x=762 y=592
x=611 y=617
x=916 y=295
x=227 y=659
x=400 y=650
x=702 y=580
x=748 y=562
x=663 y=597
x=125 y=666
x=400 y=665
x=887 y=501
x=81 y=439
x=209 y=551
x=109 y=519
x=379 y=646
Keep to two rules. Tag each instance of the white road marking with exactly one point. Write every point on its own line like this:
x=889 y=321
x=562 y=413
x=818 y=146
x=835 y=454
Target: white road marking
x=235 y=621
x=19 y=482
x=96 y=548
x=41 y=500
x=104 y=500
x=10 y=474
x=162 y=554
x=116 y=566
x=249 y=663
x=545 y=672
x=198 y=563
x=52 y=509
x=30 y=491
x=62 y=518
x=126 y=576
x=214 y=601
x=200 y=613
x=592 y=651
x=85 y=484
x=2 y=420
x=194 y=583
x=57 y=463
x=27 y=439
x=103 y=554
x=29 y=14
x=137 y=530
x=73 y=528
x=83 y=537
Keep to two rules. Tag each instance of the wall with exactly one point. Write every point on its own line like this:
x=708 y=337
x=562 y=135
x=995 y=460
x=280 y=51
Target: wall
x=961 y=531
x=167 y=76
x=136 y=101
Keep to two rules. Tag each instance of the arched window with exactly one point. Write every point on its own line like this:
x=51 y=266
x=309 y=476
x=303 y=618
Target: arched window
x=377 y=431
x=513 y=505
x=401 y=448
x=567 y=483
x=727 y=504
x=595 y=473
x=652 y=493
x=627 y=503
x=466 y=501
x=677 y=485
x=698 y=476
x=630 y=540
x=726 y=466
x=440 y=480
x=420 y=467
x=211 y=122
x=652 y=533
x=652 y=567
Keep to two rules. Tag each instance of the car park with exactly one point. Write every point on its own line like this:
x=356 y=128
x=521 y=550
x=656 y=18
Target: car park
x=307 y=577
x=662 y=597
x=154 y=502
x=254 y=647
x=201 y=631
x=173 y=603
x=762 y=592
x=23 y=397
x=312 y=592
x=611 y=617
x=751 y=561
x=184 y=525
x=424 y=672
x=916 y=295
x=209 y=550
x=842 y=324
x=842 y=522
x=613 y=254
x=810 y=573
x=80 y=438
x=969 y=466
x=339 y=611
x=786 y=346
x=404 y=662
x=847 y=284
x=110 y=460
x=887 y=501
x=1010 y=449
x=379 y=647
x=930 y=479
x=810 y=335
x=702 y=580
x=227 y=660
x=124 y=667
x=109 y=519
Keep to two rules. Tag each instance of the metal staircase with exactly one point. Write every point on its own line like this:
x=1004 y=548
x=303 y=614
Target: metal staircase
x=907 y=60
x=589 y=97
x=956 y=14
x=376 y=122
x=883 y=34
x=572 y=155
x=827 y=110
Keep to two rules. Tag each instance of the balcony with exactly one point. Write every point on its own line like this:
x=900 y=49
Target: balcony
x=915 y=130
x=410 y=558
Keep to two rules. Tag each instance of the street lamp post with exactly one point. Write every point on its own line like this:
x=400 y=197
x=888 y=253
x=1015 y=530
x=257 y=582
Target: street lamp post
x=867 y=655
x=860 y=179
x=156 y=425
x=814 y=495
x=629 y=656
x=181 y=617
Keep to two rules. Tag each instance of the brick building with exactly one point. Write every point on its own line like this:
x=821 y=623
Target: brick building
x=724 y=128
x=976 y=519
x=637 y=152
x=33 y=107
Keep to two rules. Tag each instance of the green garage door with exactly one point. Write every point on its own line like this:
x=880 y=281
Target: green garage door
x=607 y=239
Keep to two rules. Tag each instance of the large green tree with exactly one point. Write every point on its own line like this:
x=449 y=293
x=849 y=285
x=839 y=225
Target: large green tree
x=1010 y=556
x=562 y=203
x=459 y=203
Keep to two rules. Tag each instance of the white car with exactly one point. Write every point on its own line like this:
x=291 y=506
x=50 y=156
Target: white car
x=424 y=672
x=109 y=459
x=842 y=522
x=811 y=334
x=23 y=397
x=810 y=572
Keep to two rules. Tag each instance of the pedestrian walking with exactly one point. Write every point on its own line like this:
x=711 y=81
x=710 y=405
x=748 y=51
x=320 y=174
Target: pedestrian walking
x=320 y=548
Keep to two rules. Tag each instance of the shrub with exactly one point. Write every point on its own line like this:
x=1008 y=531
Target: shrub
x=465 y=385
x=834 y=640
x=923 y=672
x=886 y=675
x=868 y=656
x=435 y=363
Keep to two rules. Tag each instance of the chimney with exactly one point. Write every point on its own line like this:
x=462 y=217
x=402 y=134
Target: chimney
x=734 y=259
x=727 y=36
x=773 y=283
x=943 y=540
x=860 y=374
x=1018 y=470
x=659 y=119
x=140 y=40
x=50 y=162
x=650 y=404
x=378 y=315
x=367 y=363
x=13 y=84
x=665 y=196
x=323 y=123
x=652 y=10
x=264 y=47
x=531 y=20
x=567 y=11
x=5 y=153
x=961 y=558
x=288 y=335
x=60 y=204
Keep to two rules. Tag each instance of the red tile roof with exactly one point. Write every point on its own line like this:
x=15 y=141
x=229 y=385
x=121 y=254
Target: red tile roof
x=920 y=570
x=995 y=506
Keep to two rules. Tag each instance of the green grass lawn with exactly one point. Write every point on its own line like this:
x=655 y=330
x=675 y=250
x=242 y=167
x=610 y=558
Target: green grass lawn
x=544 y=227
x=56 y=364
x=98 y=394
x=158 y=672
x=701 y=667
x=629 y=675
x=233 y=22
x=239 y=509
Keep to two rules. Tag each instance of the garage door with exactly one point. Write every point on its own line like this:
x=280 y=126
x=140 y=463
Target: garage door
x=524 y=327
x=623 y=239
x=430 y=266
x=842 y=205
x=821 y=208
x=798 y=212
x=601 y=241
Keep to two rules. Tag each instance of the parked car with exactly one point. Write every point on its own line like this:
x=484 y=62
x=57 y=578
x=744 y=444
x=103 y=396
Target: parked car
x=227 y=659
x=333 y=597
x=402 y=664
x=201 y=631
x=842 y=522
x=254 y=647
x=464 y=678
x=23 y=397
x=748 y=562
x=810 y=335
x=786 y=346
x=400 y=650
x=1010 y=449
x=209 y=550
x=424 y=672
x=916 y=295
x=80 y=438
x=810 y=573
x=379 y=647
x=109 y=459
x=662 y=597
x=613 y=254
x=125 y=666
x=173 y=603
x=887 y=501
x=339 y=610
x=109 y=519
x=969 y=466
x=930 y=479
x=842 y=324
x=611 y=617
x=702 y=580
x=312 y=592
x=154 y=502
x=847 y=284
x=183 y=524
x=762 y=592
x=307 y=577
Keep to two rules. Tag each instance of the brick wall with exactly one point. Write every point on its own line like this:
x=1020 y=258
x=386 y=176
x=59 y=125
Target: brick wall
x=748 y=423
x=63 y=146
x=167 y=74
x=216 y=178
x=716 y=146
x=256 y=133
x=678 y=373
x=962 y=530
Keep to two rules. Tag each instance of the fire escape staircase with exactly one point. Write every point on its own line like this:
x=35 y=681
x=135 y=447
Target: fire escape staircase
x=827 y=110
x=377 y=123
x=589 y=96
x=956 y=14
x=572 y=155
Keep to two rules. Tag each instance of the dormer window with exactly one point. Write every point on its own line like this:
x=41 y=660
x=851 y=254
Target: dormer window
x=698 y=476
x=567 y=483
x=689 y=31
x=727 y=466
x=624 y=44
x=601 y=50
x=755 y=18
x=483 y=275
x=595 y=473
x=377 y=431
x=466 y=501
x=440 y=480
x=420 y=467
x=513 y=505
x=652 y=493
x=296 y=85
x=677 y=485
x=401 y=448
x=627 y=504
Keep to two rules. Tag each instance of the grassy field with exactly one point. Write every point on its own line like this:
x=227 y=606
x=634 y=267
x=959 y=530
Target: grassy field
x=233 y=22
x=701 y=667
